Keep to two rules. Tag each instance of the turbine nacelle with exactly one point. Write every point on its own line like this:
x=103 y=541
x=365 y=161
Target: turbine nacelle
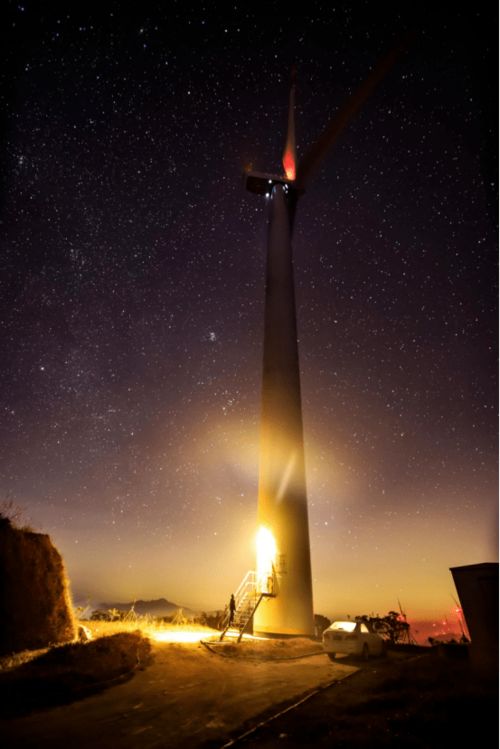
x=262 y=184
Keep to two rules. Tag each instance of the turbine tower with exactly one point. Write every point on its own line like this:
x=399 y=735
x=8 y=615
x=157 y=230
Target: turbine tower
x=283 y=564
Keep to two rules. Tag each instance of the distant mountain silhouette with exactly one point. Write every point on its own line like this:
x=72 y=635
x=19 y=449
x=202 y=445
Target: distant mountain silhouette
x=157 y=607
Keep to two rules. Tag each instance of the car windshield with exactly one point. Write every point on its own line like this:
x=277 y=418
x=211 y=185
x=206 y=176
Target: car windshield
x=344 y=626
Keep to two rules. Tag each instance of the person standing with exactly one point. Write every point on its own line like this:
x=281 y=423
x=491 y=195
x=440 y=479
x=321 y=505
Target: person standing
x=232 y=609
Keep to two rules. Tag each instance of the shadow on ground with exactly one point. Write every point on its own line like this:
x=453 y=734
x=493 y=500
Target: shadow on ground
x=419 y=702
x=393 y=651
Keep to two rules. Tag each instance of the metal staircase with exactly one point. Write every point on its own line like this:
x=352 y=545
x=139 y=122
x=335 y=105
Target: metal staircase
x=247 y=599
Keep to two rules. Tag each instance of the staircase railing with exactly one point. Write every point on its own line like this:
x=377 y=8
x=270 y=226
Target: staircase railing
x=247 y=599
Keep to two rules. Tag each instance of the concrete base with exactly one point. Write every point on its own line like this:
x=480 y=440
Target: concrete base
x=281 y=636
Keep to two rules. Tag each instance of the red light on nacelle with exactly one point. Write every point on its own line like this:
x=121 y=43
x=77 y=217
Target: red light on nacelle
x=289 y=164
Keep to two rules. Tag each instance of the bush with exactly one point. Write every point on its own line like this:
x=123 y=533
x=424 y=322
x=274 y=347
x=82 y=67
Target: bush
x=68 y=672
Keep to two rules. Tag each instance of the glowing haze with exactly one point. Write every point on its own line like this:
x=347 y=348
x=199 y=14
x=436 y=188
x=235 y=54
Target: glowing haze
x=131 y=306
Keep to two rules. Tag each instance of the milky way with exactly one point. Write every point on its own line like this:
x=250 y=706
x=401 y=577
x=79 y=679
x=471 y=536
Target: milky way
x=131 y=306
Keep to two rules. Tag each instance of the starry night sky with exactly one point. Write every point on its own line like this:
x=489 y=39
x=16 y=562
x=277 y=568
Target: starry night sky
x=132 y=289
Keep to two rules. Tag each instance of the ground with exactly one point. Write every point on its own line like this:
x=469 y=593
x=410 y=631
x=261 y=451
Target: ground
x=195 y=696
x=427 y=701
x=189 y=694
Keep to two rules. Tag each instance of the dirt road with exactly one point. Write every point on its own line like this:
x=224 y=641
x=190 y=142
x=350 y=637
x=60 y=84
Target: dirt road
x=188 y=696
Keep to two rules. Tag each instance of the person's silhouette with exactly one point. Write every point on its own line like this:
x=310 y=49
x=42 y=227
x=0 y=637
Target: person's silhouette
x=232 y=608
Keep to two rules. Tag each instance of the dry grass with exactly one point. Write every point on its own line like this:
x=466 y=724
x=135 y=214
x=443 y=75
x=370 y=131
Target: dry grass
x=149 y=626
x=8 y=662
x=35 y=608
x=68 y=672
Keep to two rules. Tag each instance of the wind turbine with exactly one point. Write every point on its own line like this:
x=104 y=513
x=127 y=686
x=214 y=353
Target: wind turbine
x=283 y=564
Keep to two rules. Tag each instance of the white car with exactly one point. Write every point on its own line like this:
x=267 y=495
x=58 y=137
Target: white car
x=352 y=638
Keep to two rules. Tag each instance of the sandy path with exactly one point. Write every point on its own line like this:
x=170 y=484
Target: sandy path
x=188 y=695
